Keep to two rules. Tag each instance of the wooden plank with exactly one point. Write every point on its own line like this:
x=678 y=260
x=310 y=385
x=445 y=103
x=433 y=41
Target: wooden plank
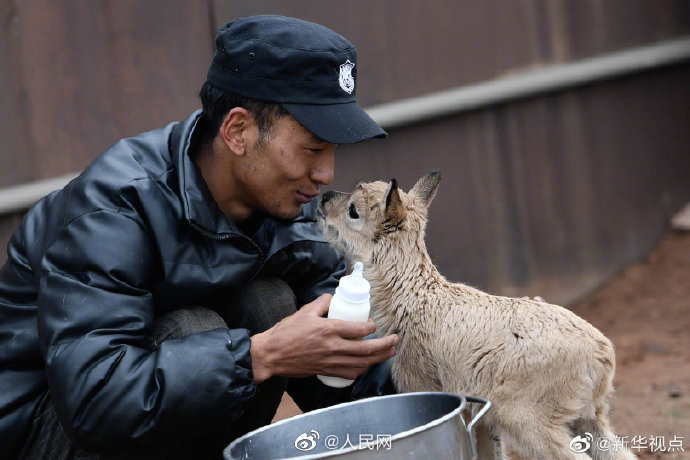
x=596 y=27
x=15 y=166
x=93 y=72
x=407 y=48
x=544 y=196
x=547 y=196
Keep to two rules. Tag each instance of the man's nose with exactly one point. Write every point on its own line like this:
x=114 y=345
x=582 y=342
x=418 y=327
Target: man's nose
x=322 y=171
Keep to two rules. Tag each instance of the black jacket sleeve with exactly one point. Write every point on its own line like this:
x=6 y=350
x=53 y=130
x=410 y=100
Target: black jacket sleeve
x=312 y=268
x=94 y=317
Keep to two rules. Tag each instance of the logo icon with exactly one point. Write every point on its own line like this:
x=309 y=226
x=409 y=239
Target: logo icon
x=346 y=80
x=580 y=444
x=306 y=442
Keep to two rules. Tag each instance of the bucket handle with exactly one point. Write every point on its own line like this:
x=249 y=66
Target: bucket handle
x=480 y=414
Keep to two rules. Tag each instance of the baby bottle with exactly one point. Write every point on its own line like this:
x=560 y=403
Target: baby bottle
x=350 y=303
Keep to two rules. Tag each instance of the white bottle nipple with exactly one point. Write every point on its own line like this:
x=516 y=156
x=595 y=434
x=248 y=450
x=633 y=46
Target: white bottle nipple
x=353 y=287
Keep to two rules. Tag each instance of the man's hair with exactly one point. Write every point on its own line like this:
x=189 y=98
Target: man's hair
x=216 y=103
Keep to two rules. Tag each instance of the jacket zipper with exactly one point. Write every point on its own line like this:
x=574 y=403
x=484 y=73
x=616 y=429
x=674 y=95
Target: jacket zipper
x=227 y=236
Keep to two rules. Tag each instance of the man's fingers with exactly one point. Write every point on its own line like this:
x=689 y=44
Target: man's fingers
x=307 y=344
x=353 y=330
x=318 y=307
x=371 y=347
x=349 y=366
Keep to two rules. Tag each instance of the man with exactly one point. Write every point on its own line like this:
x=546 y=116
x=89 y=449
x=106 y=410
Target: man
x=151 y=306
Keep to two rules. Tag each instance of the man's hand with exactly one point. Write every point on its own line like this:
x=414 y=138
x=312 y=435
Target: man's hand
x=307 y=344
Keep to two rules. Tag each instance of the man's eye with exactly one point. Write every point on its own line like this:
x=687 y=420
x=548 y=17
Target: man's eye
x=353 y=212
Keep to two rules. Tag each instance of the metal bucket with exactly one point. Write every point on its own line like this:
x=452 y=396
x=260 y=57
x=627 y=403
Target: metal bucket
x=425 y=425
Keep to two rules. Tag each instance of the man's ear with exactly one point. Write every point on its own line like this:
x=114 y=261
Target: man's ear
x=234 y=130
x=425 y=189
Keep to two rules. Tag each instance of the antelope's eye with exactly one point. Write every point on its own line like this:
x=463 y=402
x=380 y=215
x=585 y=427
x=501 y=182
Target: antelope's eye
x=352 y=211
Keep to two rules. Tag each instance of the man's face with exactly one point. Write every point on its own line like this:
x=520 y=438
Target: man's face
x=285 y=171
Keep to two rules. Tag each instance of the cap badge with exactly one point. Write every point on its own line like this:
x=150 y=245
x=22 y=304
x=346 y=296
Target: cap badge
x=347 y=81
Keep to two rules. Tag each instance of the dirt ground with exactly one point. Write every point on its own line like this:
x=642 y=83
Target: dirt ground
x=645 y=311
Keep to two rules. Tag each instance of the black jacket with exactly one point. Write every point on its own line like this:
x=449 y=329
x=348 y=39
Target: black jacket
x=136 y=235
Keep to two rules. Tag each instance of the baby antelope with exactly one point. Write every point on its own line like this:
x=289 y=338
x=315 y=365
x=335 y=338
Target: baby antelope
x=548 y=372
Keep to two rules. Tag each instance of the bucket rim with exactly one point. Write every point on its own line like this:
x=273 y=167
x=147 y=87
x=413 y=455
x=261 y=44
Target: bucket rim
x=338 y=452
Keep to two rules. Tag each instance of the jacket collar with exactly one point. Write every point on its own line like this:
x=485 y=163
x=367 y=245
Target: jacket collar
x=200 y=209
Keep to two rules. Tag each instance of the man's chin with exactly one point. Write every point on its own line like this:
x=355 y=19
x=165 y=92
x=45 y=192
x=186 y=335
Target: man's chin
x=285 y=214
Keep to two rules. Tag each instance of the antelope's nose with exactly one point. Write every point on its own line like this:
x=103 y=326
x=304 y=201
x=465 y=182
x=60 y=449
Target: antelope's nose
x=326 y=196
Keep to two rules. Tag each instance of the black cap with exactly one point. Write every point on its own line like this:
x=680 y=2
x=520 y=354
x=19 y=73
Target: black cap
x=307 y=68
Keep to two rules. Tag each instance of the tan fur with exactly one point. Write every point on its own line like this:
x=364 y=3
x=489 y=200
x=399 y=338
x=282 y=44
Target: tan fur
x=547 y=372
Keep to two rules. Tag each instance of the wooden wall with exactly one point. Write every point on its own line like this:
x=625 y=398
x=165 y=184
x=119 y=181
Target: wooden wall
x=544 y=196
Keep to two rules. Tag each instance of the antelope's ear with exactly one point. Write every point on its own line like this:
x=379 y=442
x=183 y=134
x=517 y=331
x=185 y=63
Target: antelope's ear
x=425 y=189
x=395 y=211
x=394 y=217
